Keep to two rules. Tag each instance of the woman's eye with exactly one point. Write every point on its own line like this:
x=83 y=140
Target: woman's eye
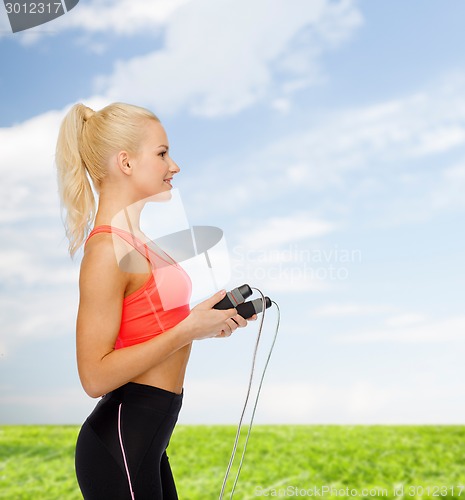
x=163 y=154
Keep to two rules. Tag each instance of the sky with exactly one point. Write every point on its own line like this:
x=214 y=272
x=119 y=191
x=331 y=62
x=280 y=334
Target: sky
x=326 y=138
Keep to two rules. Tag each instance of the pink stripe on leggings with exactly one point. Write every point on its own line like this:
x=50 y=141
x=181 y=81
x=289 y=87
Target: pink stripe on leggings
x=122 y=450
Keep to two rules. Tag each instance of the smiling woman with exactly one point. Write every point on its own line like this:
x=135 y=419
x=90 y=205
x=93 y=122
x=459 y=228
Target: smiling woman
x=86 y=141
x=134 y=326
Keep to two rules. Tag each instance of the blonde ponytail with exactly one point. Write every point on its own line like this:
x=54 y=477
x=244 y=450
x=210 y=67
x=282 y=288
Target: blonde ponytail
x=86 y=141
x=73 y=183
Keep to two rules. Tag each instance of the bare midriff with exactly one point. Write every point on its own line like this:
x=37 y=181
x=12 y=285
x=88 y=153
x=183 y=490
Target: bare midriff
x=169 y=374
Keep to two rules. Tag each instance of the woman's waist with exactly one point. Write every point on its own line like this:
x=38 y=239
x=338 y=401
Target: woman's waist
x=168 y=374
x=147 y=396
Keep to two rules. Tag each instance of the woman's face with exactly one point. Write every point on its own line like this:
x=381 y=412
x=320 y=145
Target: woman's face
x=152 y=168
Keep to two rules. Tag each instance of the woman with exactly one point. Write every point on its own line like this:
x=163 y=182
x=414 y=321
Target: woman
x=134 y=326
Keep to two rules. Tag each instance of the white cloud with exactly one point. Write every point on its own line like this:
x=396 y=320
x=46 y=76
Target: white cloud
x=28 y=168
x=28 y=137
x=417 y=125
x=281 y=104
x=403 y=320
x=4 y=23
x=455 y=173
x=33 y=248
x=220 y=402
x=34 y=266
x=449 y=191
x=349 y=309
x=282 y=254
x=306 y=402
x=439 y=139
x=120 y=17
x=389 y=154
x=37 y=313
x=29 y=186
x=3 y=350
x=358 y=402
x=370 y=138
x=411 y=330
x=280 y=230
x=222 y=57
x=51 y=406
x=31 y=264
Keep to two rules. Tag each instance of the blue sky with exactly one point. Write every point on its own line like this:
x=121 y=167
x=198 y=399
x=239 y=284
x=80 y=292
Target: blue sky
x=326 y=138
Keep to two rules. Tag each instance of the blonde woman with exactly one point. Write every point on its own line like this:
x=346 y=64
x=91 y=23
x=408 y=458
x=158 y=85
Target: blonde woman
x=134 y=326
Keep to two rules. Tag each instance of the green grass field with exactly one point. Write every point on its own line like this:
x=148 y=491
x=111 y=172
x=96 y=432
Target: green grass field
x=318 y=461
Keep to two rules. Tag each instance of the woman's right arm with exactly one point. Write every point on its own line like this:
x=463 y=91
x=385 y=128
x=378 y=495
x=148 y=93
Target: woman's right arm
x=102 y=286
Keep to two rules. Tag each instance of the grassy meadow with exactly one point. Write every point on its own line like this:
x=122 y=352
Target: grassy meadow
x=321 y=461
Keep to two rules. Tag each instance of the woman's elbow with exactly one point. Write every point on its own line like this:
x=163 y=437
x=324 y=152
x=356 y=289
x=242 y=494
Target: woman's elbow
x=90 y=384
x=93 y=393
x=90 y=389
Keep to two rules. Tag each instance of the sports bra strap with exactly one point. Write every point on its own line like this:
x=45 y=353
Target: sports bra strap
x=139 y=245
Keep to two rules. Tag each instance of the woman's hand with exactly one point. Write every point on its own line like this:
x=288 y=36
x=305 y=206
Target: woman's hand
x=205 y=322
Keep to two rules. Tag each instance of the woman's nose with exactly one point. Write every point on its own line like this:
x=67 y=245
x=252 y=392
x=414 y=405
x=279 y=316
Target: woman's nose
x=174 y=167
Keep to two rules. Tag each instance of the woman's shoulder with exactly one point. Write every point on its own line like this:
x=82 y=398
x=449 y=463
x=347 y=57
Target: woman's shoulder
x=100 y=259
x=109 y=249
x=100 y=246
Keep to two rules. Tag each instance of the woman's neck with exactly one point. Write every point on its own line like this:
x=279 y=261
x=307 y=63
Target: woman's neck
x=113 y=212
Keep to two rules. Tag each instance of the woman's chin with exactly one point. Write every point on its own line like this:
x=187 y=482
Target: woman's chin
x=160 y=197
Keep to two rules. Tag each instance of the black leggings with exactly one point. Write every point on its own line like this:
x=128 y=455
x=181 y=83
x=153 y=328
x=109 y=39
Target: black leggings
x=121 y=448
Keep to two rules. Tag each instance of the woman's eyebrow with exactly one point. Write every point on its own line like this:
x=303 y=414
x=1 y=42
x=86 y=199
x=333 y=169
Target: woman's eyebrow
x=163 y=146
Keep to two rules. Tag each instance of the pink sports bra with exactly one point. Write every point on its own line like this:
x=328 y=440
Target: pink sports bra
x=160 y=304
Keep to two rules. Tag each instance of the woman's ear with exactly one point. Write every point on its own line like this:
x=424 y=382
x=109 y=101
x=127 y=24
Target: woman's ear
x=122 y=160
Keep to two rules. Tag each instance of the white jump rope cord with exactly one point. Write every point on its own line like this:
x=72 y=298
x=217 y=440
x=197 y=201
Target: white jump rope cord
x=233 y=453
x=256 y=400
x=247 y=398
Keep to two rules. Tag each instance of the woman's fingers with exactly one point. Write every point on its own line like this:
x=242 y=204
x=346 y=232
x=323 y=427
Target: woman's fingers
x=239 y=320
x=230 y=326
x=233 y=323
